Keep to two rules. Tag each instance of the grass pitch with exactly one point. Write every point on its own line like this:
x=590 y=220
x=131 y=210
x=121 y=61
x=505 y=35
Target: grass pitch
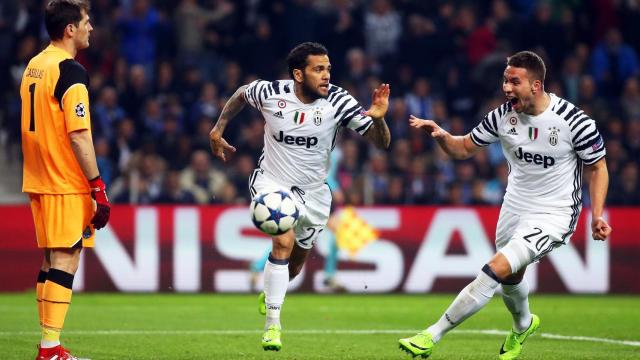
x=213 y=326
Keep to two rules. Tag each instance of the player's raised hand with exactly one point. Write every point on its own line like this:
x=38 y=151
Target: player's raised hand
x=379 y=102
x=429 y=126
x=219 y=145
x=600 y=229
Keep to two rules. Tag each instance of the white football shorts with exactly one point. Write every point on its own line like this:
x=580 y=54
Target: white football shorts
x=525 y=239
x=314 y=205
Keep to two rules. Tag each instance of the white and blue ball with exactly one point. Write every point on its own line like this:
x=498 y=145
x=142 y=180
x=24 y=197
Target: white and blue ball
x=274 y=212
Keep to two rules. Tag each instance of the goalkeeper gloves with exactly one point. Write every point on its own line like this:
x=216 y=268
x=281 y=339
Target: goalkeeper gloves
x=103 y=209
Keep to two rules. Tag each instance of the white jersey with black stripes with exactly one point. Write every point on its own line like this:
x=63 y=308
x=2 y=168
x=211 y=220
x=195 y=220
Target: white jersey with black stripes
x=299 y=137
x=546 y=154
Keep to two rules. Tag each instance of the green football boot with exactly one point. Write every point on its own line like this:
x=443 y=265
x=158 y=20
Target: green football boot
x=271 y=338
x=512 y=346
x=418 y=345
x=262 y=305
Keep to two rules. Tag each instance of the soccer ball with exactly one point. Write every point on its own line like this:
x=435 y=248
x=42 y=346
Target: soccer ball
x=274 y=212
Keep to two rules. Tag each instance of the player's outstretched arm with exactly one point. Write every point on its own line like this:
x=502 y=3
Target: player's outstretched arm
x=598 y=183
x=234 y=105
x=379 y=133
x=82 y=146
x=458 y=147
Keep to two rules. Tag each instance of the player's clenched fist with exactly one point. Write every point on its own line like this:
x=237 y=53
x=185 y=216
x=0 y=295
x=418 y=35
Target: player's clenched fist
x=429 y=125
x=600 y=229
x=103 y=208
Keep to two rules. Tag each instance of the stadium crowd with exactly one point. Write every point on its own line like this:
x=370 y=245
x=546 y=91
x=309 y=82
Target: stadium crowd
x=161 y=71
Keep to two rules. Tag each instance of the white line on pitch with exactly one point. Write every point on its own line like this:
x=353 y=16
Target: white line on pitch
x=317 y=332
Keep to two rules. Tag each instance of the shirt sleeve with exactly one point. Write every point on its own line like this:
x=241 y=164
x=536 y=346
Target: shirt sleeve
x=257 y=92
x=486 y=132
x=72 y=93
x=586 y=139
x=349 y=113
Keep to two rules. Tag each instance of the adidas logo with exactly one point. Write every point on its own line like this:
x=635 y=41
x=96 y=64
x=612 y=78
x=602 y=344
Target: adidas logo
x=512 y=131
x=278 y=115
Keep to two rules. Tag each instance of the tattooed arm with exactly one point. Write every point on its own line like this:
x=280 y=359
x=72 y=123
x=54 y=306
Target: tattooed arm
x=379 y=133
x=233 y=106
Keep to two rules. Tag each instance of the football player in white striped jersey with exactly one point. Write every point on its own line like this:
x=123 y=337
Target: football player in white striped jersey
x=302 y=119
x=547 y=141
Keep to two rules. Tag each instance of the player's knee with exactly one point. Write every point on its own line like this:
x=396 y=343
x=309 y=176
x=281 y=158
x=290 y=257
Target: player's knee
x=500 y=266
x=282 y=244
x=513 y=259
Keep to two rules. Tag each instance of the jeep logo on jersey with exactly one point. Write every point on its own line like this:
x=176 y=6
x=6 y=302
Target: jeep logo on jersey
x=298 y=118
x=307 y=141
x=545 y=161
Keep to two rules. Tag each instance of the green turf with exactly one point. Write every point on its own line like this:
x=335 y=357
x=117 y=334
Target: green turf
x=211 y=326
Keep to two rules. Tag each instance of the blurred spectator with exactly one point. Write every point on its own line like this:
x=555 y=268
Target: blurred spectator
x=420 y=187
x=630 y=99
x=613 y=61
x=135 y=93
x=202 y=179
x=172 y=193
x=571 y=78
x=549 y=36
x=105 y=166
x=107 y=113
x=152 y=118
x=627 y=187
x=137 y=26
x=382 y=29
x=124 y=144
x=419 y=100
x=495 y=188
x=205 y=107
x=596 y=107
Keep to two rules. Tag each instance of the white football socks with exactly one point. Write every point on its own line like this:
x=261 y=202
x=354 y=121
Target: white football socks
x=471 y=299
x=276 y=281
x=516 y=298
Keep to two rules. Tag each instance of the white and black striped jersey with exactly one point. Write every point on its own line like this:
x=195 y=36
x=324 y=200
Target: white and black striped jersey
x=299 y=137
x=545 y=153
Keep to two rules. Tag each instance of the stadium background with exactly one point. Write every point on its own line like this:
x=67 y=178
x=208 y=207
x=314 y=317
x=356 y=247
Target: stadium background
x=160 y=74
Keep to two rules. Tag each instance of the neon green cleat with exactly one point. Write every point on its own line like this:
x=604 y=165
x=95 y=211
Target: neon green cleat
x=418 y=345
x=262 y=305
x=512 y=346
x=271 y=338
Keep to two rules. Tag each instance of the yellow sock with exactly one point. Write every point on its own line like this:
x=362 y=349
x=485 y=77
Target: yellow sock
x=42 y=277
x=56 y=299
x=50 y=337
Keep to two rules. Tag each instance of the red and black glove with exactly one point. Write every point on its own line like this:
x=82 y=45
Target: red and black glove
x=103 y=209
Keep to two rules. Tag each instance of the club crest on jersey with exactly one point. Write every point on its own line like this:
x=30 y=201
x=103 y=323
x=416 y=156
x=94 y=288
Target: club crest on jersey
x=298 y=118
x=86 y=233
x=553 y=136
x=533 y=133
x=282 y=104
x=317 y=117
x=80 y=112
